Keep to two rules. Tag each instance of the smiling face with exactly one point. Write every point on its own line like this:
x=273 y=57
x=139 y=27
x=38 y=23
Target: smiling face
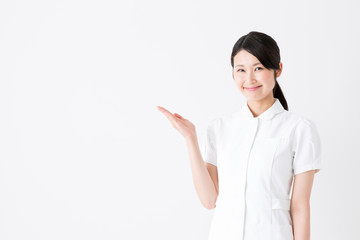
x=255 y=81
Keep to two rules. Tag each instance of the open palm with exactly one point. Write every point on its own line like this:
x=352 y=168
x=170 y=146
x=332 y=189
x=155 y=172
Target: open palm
x=184 y=126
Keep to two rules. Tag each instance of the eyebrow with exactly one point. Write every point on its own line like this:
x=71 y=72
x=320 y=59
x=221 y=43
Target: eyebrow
x=240 y=65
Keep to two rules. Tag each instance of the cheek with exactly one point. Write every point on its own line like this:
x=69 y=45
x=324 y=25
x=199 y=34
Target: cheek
x=240 y=83
x=239 y=79
x=267 y=78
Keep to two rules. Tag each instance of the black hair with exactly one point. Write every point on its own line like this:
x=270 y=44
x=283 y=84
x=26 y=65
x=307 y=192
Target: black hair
x=266 y=50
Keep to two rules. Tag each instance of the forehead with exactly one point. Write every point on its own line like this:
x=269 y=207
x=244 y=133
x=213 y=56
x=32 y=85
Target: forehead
x=245 y=58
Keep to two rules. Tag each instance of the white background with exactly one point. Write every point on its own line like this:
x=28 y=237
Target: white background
x=85 y=154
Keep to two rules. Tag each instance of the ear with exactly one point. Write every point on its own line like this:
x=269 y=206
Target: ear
x=278 y=72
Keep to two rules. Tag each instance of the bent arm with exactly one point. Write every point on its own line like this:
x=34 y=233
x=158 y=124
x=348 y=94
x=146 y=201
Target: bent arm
x=300 y=205
x=205 y=187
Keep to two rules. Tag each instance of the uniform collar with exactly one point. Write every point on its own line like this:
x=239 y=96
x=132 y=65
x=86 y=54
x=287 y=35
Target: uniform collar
x=267 y=115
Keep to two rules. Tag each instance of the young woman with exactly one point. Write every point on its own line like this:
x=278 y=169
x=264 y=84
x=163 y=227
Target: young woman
x=252 y=157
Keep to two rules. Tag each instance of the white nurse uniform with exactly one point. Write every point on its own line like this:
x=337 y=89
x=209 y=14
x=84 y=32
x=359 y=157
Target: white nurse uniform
x=256 y=158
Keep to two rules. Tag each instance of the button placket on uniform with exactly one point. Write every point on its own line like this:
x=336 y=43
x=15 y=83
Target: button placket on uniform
x=253 y=135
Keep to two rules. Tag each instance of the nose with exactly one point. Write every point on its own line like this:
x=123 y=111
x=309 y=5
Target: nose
x=250 y=78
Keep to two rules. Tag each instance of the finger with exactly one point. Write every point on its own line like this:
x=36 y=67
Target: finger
x=167 y=113
x=178 y=115
x=163 y=110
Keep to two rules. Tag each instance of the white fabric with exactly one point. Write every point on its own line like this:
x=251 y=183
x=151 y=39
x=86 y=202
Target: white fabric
x=256 y=160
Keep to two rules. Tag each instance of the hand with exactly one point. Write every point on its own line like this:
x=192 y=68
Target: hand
x=184 y=126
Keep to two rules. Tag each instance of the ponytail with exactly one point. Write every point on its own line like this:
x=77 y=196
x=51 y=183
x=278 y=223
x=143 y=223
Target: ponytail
x=279 y=95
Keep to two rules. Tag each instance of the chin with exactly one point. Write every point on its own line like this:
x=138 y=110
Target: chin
x=253 y=97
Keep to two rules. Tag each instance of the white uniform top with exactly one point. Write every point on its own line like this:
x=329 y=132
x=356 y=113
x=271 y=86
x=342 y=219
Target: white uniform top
x=256 y=158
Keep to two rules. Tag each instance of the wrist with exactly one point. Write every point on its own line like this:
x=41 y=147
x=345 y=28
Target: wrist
x=191 y=138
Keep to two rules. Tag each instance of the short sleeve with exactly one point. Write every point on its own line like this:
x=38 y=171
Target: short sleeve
x=209 y=152
x=306 y=147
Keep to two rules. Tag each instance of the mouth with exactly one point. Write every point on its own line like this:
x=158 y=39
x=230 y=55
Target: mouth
x=252 y=88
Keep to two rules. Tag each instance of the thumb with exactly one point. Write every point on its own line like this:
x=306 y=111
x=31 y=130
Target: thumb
x=178 y=115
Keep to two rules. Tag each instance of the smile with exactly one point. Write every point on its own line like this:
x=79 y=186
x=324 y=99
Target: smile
x=253 y=88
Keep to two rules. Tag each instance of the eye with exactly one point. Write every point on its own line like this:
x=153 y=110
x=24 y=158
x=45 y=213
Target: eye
x=258 y=68
x=240 y=70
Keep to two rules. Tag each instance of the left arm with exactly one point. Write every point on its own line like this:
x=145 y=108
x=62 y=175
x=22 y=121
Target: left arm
x=300 y=205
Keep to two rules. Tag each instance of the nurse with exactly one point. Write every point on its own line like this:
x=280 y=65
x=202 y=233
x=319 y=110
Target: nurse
x=252 y=160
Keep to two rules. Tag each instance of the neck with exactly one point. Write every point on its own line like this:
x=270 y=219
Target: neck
x=260 y=106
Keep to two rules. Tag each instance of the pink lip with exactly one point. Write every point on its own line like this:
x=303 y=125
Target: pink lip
x=252 y=89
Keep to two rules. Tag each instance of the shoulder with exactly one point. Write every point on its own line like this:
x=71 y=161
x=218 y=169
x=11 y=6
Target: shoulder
x=302 y=127
x=224 y=120
x=298 y=120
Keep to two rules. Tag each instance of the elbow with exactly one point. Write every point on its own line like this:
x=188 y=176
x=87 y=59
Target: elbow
x=300 y=206
x=210 y=204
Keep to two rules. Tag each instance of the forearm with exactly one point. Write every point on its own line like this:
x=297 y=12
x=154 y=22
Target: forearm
x=301 y=221
x=203 y=183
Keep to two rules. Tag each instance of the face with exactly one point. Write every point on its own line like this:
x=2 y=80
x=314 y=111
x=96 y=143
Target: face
x=255 y=82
